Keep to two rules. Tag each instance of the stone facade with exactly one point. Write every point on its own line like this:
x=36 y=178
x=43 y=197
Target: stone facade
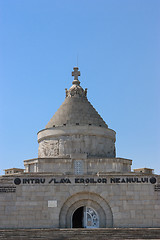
x=77 y=181
x=49 y=200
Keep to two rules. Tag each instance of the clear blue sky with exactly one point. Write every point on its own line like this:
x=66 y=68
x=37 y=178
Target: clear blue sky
x=118 y=47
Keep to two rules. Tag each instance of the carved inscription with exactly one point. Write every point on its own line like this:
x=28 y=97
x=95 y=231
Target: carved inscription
x=157 y=188
x=7 y=189
x=127 y=180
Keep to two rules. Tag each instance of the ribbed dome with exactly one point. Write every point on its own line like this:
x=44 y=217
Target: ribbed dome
x=76 y=109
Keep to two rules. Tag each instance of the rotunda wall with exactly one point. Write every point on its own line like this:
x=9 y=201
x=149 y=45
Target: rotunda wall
x=92 y=141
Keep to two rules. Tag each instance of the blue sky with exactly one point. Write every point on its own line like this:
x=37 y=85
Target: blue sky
x=118 y=48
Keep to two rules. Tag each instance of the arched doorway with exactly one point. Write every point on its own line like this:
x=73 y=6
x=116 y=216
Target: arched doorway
x=83 y=199
x=85 y=217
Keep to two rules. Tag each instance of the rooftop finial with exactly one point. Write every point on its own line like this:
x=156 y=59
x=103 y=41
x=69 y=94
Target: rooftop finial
x=76 y=73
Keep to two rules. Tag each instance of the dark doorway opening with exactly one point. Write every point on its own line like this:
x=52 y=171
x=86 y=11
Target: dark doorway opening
x=77 y=219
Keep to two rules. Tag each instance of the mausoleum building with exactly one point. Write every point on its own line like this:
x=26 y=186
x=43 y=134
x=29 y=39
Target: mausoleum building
x=77 y=181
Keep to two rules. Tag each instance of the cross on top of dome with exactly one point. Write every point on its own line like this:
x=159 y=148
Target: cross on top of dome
x=76 y=73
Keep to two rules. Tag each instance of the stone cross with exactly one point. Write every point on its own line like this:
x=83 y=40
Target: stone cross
x=76 y=73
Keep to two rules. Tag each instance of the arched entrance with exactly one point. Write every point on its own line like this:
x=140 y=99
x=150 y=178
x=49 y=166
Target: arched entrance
x=93 y=202
x=85 y=217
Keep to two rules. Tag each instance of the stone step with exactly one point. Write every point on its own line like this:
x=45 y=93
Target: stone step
x=80 y=234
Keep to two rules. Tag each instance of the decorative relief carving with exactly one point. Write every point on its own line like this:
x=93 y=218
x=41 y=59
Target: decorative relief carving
x=66 y=92
x=77 y=91
x=48 y=148
x=90 y=145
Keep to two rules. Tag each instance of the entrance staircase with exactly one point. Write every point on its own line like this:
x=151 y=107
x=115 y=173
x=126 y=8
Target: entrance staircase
x=80 y=234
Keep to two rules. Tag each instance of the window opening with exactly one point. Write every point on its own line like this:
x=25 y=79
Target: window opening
x=78 y=167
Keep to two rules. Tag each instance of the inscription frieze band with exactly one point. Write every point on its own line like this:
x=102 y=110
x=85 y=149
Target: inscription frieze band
x=94 y=180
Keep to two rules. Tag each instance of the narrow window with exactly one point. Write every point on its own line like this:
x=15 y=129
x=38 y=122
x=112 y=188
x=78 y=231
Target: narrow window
x=78 y=167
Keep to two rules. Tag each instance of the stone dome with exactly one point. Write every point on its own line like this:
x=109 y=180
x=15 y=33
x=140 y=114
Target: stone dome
x=76 y=109
x=76 y=128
